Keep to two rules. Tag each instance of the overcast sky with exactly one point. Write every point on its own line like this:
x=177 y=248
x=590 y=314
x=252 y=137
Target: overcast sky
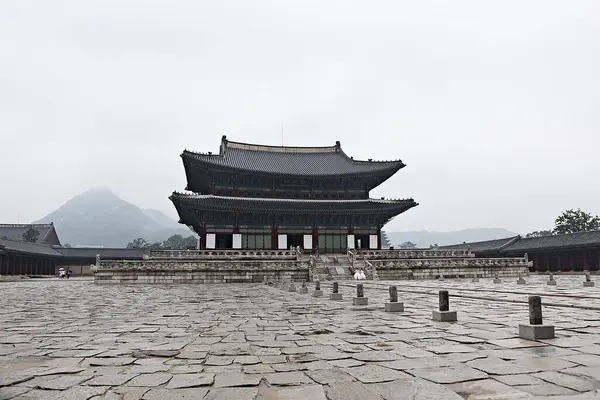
x=493 y=105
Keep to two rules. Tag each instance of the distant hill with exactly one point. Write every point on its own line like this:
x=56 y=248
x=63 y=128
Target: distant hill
x=427 y=238
x=98 y=217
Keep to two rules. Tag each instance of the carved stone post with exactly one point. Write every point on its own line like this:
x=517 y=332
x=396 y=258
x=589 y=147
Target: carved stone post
x=394 y=305
x=535 y=329
x=444 y=314
x=335 y=294
x=444 y=300
x=393 y=290
x=303 y=289
x=360 y=299
x=318 y=292
x=588 y=280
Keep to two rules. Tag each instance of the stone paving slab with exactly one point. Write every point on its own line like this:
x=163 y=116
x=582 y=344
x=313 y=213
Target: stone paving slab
x=250 y=341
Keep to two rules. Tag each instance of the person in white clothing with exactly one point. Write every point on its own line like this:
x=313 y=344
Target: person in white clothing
x=357 y=275
x=362 y=275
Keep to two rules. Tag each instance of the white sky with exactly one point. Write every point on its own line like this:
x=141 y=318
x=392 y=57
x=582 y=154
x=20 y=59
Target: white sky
x=493 y=105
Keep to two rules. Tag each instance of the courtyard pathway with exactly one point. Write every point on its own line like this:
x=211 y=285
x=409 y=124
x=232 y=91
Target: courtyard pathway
x=71 y=339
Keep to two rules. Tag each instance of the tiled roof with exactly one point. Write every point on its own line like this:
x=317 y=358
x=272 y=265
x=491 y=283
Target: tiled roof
x=16 y=231
x=523 y=245
x=580 y=239
x=296 y=161
x=105 y=253
x=299 y=206
x=26 y=247
x=483 y=246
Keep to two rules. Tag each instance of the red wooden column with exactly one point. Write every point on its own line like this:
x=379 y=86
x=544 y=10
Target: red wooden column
x=570 y=261
x=559 y=266
x=315 y=235
x=584 y=257
x=547 y=261
x=274 y=238
x=379 y=239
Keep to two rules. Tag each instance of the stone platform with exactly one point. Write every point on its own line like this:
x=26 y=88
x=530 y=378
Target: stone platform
x=251 y=341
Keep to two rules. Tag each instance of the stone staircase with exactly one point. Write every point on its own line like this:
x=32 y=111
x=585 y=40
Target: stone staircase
x=331 y=267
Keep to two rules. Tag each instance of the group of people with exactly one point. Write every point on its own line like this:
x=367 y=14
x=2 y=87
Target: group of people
x=359 y=275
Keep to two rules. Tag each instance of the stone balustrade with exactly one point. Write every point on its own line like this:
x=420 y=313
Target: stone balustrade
x=407 y=254
x=155 y=271
x=225 y=254
x=450 y=267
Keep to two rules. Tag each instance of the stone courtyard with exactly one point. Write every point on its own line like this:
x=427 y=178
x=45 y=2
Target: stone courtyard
x=71 y=339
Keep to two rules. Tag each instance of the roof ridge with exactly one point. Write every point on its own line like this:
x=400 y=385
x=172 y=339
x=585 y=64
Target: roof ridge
x=25 y=225
x=368 y=200
x=562 y=234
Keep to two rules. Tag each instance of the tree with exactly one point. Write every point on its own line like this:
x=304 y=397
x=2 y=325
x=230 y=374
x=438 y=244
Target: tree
x=138 y=243
x=31 y=235
x=156 y=246
x=571 y=221
x=538 y=234
x=178 y=242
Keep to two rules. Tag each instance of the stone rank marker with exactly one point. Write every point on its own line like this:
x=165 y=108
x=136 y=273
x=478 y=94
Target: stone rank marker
x=444 y=314
x=497 y=278
x=292 y=287
x=318 y=292
x=360 y=299
x=335 y=292
x=588 y=280
x=394 y=305
x=475 y=278
x=535 y=329
x=551 y=280
x=521 y=281
x=303 y=289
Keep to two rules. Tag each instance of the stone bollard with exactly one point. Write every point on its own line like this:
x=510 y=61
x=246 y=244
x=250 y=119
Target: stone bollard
x=291 y=287
x=535 y=329
x=265 y=282
x=520 y=280
x=335 y=294
x=441 y=277
x=318 y=292
x=303 y=289
x=551 y=280
x=360 y=299
x=497 y=278
x=394 y=305
x=588 y=280
x=444 y=314
x=475 y=278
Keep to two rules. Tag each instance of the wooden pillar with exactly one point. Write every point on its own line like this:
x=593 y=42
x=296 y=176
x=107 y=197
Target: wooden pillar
x=274 y=238
x=570 y=260
x=379 y=239
x=559 y=264
x=315 y=235
x=584 y=258
x=548 y=262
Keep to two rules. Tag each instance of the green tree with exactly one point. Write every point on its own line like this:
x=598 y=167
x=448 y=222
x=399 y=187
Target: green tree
x=31 y=235
x=538 y=234
x=571 y=221
x=138 y=243
x=156 y=246
x=175 y=242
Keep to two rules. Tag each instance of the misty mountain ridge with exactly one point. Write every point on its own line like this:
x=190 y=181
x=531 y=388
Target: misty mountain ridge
x=98 y=217
x=427 y=238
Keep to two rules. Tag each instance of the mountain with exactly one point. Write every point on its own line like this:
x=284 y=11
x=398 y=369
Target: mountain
x=162 y=218
x=98 y=217
x=427 y=238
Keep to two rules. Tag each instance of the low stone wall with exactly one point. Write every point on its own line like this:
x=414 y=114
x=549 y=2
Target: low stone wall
x=449 y=268
x=154 y=271
x=225 y=254
x=411 y=254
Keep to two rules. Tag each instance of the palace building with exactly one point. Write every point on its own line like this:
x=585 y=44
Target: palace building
x=251 y=196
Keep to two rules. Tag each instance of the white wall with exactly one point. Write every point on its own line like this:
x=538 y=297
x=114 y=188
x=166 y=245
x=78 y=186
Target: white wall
x=237 y=241
x=308 y=244
x=282 y=242
x=211 y=240
x=350 y=242
x=373 y=241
